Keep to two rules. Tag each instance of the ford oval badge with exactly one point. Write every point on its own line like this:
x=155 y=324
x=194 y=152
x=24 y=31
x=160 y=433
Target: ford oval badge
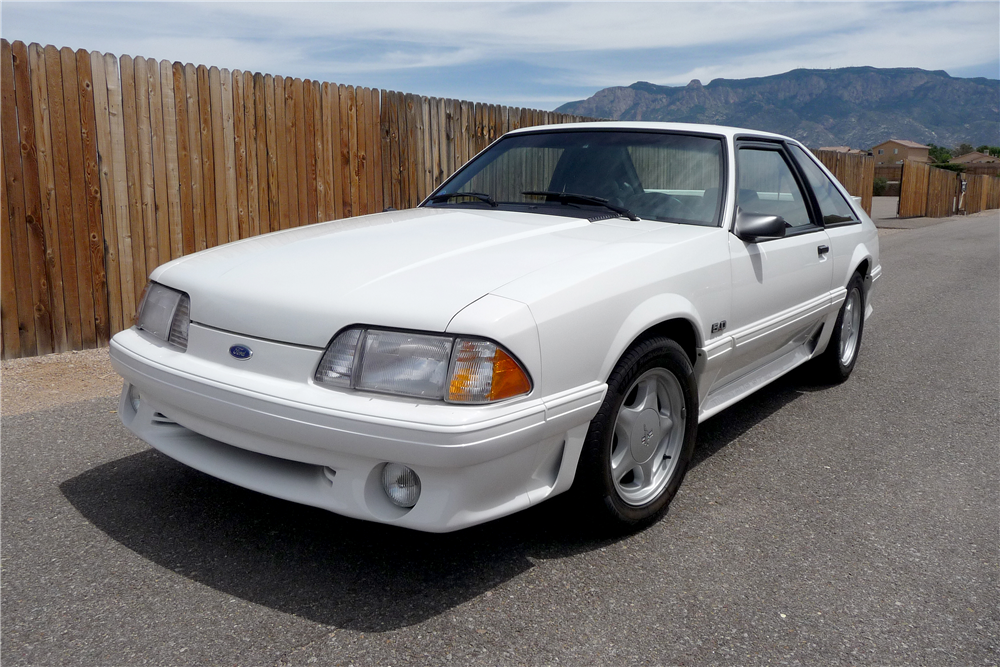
x=241 y=352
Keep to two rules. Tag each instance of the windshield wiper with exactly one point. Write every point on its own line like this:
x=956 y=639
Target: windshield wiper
x=482 y=196
x=567 y=197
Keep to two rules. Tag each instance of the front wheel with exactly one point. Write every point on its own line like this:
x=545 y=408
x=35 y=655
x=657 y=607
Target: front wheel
x=639 y=444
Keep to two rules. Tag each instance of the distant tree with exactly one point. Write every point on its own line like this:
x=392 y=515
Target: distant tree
x=989 y=150
x=963 y=149
x=938 y=153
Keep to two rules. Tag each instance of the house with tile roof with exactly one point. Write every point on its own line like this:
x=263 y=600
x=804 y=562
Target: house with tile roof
x=897 y=151
x=974 y=158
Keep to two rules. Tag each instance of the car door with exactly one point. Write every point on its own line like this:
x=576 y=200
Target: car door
x=781 y=286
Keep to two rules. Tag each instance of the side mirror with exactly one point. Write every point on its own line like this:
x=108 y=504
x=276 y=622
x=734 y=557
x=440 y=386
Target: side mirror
x=754 y=227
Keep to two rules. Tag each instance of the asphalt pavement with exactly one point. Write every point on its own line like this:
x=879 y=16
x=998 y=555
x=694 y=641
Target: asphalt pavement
x=820 y=525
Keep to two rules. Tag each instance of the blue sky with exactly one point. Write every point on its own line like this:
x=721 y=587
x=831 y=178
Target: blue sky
x=537 y=55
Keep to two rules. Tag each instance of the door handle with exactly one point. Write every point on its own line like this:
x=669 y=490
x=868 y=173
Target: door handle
x=822 y=250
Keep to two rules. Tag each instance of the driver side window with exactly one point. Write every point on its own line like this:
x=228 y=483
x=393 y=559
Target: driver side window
x=766 y=186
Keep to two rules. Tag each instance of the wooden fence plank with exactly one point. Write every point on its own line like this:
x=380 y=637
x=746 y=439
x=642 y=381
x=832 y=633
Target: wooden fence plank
x=415 y=150
x=318 y=148
x=376 y=199
x=284 y=190
x=157 y=141
x=307 y=153
x=275 y=99
x=206 y=138
x=134 y=238
x=16 y=231
x=92 y=189
x=434 y=142
x=242 y=179
x=47 y=191
x=118 y=176
x=291 y=154
x=340 y=148
x=172 y=157
x=212 y=155
x=249 y=114
x=147 y=194
x=40 y=294
x=78 y=190
x=263 y=192
x=375 y=166
x=361 y=151
x=185 y=160
x=102 y=116
x=327 y=156
x=228 y=162
x=194 y=132
x=366 y=134
x=10 y=337
x=64 y=197
x=395 y=182
x=426 y=134
x=402 y=118
x=352 y=149
x=301 y=168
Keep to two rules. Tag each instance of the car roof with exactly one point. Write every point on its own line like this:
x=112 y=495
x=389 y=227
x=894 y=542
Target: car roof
x=693 y=128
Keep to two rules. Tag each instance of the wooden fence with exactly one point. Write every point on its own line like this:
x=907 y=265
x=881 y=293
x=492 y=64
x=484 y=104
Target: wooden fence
x=112 y=166
x=856 y=172
x=982 y=193
x=937 y=193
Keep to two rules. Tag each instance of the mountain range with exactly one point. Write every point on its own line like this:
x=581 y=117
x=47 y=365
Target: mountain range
x=852 y=106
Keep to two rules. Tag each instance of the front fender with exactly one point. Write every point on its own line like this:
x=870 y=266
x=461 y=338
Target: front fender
x=646 y=315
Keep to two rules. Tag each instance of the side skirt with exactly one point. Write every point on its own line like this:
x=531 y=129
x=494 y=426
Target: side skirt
x=722 y=397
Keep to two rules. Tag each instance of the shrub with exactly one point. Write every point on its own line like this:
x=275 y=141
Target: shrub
x=878 y=188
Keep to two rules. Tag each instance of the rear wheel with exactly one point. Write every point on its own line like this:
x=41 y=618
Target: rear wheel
x=837 y=362
x=639 y=444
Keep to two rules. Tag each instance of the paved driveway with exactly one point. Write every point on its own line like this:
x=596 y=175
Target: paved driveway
x=847 y=525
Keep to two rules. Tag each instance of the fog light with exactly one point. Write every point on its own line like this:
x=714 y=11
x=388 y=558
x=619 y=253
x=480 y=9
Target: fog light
x=133 y=397
x=401 y=484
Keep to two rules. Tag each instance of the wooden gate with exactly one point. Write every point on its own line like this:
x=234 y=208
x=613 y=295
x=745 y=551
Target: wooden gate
x=913 y=190
x=943 y=190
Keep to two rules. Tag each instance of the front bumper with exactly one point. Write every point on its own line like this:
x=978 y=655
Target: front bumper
x=267 y=427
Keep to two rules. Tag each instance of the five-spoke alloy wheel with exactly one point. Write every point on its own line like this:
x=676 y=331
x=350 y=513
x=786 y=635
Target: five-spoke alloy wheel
x=837 y=362
x=640 y=442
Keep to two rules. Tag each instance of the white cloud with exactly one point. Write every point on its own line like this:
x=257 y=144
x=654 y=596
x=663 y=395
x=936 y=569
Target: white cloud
x=565 y=46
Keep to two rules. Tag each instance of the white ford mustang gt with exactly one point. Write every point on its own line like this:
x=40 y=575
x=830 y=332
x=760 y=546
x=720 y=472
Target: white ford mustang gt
x=562 y=312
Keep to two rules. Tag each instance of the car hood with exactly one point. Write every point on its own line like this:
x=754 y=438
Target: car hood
x=411 y=269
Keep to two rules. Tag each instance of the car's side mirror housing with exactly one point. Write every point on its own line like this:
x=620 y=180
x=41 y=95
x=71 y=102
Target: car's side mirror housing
x=754 y=227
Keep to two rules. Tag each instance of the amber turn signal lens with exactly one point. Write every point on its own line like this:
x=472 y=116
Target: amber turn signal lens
x=509 y=379
x=483 y=372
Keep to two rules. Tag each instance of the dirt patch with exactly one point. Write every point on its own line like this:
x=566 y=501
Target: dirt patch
x=37 y=383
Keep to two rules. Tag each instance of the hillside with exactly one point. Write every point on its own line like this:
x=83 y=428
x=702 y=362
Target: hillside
x=854 y=106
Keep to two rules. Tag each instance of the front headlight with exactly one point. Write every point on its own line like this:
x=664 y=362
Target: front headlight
x=450 y=368
x=165 y=313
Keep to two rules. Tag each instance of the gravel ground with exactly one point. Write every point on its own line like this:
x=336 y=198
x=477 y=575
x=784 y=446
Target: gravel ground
x=37 y=383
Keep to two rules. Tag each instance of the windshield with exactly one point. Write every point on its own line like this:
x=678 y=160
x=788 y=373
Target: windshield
x=595 y=174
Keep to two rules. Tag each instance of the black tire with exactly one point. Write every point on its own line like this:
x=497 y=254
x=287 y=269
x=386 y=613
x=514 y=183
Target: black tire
x=837 y=361
x=615 y=480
